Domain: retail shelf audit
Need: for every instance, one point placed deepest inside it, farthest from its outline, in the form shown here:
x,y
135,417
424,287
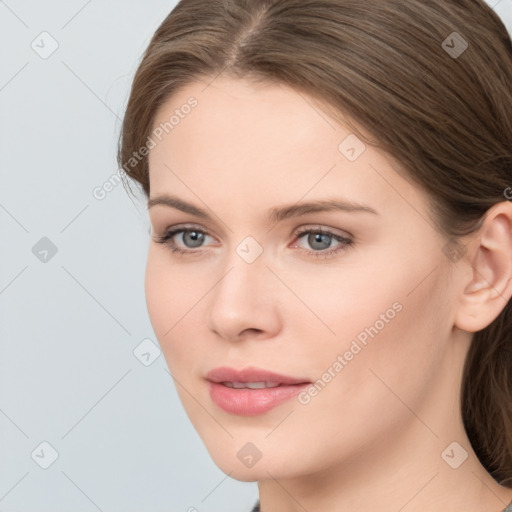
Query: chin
x,y
234,459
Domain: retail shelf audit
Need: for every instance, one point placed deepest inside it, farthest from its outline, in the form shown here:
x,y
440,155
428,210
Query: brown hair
x,y
441,110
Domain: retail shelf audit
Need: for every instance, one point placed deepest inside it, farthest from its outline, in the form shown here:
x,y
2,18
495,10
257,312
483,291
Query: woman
x,y
329,272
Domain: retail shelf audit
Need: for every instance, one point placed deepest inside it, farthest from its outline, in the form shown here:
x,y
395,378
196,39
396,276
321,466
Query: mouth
x,y
251,385
251,391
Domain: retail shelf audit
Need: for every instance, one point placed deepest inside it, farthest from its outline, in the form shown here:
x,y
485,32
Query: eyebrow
x,y
274,215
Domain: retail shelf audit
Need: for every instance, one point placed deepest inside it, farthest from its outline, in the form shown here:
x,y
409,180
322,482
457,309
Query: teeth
x,y
251,385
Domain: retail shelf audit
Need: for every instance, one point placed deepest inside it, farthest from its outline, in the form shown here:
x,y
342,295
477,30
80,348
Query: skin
x,y
372,439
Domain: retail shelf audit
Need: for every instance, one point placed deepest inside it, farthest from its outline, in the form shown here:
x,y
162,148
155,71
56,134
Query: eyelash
x,y
167,237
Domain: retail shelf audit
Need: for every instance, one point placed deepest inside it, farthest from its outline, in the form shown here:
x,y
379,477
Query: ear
x,y
488,288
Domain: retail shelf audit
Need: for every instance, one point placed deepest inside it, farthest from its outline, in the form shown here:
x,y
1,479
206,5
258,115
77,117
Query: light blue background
x,y
68,375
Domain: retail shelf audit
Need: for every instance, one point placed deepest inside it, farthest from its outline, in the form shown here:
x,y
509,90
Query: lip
x,y
250,374
251,402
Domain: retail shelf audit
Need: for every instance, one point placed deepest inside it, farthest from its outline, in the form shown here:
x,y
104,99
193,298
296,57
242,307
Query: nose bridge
x,y
245,269
239,296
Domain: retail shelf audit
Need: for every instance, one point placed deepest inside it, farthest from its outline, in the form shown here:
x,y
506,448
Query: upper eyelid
x,y
179,228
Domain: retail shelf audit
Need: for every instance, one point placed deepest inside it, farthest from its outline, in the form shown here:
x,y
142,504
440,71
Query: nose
x,y
244,301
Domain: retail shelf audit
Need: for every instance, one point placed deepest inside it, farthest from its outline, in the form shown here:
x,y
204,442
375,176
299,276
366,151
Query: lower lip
x,y
250,402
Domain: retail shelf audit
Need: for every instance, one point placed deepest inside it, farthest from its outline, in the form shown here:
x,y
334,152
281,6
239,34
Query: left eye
x,y
320,240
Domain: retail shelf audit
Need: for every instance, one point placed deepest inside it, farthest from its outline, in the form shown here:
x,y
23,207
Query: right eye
x,y
193,236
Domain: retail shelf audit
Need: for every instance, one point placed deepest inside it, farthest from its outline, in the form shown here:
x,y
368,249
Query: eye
x,y
190,237
320,240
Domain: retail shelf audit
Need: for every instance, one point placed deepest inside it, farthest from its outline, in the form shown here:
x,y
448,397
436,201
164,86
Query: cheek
x,y
334,306
173,302
399,358
169,291
392,317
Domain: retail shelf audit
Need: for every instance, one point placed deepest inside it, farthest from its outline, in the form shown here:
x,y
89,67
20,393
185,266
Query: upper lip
x,y
250,374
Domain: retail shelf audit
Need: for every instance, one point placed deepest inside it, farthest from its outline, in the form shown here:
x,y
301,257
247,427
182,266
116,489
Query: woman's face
x,y
366,319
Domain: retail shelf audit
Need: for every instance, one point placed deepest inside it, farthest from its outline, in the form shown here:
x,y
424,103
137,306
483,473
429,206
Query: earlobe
x,y
490,283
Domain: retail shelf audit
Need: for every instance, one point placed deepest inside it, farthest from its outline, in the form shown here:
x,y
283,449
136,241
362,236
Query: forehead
x,y
263,143
246,117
